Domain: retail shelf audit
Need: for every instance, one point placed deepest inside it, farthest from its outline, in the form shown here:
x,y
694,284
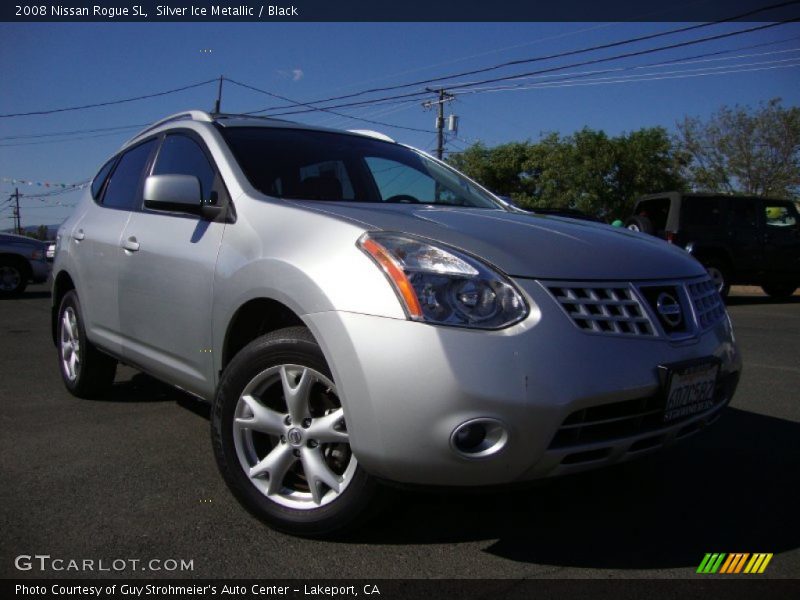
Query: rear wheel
x,y
86,372
13,276
779,290
639,223
280,437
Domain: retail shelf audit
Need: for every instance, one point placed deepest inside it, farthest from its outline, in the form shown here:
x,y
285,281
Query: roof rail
x,y
373,134
187,115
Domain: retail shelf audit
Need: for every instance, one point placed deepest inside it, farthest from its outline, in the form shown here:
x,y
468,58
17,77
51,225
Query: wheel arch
x,y
21,260
62,283
256,317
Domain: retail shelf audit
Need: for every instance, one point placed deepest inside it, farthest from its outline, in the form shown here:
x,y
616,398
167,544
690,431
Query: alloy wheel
x,y
70,344
291,439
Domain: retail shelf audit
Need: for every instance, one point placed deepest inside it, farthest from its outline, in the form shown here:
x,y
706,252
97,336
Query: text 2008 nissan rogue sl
x,y
359,312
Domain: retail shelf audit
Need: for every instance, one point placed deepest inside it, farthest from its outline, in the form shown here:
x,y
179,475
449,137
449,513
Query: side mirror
x,y
178,193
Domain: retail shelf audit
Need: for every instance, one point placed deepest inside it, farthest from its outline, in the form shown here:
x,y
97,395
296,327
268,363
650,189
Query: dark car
x,y
739,239
22,260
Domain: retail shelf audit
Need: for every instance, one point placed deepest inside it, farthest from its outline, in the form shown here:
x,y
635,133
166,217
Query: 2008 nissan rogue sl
x,y
357,312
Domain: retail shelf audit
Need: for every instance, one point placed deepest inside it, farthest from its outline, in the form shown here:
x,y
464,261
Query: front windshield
x,y
302,164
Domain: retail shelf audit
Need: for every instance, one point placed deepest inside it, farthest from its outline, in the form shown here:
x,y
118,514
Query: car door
x,y
781,240
166,277
744,232
95,243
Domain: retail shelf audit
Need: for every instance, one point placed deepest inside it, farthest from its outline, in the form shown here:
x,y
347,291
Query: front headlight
x,y
443,286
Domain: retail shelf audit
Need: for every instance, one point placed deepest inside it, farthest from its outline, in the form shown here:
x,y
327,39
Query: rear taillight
x,y
671,237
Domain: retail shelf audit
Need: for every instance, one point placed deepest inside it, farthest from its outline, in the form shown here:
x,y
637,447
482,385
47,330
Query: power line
x,y
73,132
313,108
395,106
70,139
683,61
110,102
560,68
591,76
689,73
545,57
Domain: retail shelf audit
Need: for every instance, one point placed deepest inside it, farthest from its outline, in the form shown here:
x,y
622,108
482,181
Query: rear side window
x,y
702,212
656,210
744,213
100,178
780,214
181,155
122,190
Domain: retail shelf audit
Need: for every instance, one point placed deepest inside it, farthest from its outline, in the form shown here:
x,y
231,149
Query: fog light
x,y
468,437
479,438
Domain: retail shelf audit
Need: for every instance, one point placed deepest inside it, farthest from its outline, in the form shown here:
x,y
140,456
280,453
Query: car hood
x,y
528,245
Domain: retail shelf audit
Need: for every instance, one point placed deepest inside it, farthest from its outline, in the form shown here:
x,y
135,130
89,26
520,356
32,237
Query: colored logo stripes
x,y
737,562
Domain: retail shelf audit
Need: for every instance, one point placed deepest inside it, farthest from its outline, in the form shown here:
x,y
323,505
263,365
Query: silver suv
x,y
359,312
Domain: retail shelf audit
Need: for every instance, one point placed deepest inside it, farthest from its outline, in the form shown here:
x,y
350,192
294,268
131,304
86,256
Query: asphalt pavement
x,y
132,476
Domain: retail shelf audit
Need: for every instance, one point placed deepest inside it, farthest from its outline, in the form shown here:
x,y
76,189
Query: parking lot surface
x,y
132,476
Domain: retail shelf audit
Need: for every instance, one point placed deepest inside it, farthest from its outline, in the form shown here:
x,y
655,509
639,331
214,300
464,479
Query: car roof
x,y
231,120
689,195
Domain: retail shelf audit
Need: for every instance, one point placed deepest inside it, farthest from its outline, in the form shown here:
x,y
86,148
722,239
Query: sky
x,y
52,66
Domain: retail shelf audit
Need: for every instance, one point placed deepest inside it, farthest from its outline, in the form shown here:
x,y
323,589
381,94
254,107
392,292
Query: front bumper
x,y
407,386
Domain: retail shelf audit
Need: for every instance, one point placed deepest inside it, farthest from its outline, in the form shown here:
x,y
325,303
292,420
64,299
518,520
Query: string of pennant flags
x,y
46,184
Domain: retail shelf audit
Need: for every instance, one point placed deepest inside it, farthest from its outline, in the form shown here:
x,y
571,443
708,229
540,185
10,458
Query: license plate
x,y
690,390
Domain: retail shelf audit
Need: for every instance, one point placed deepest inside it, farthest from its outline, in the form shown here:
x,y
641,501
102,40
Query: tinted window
x,y
320,165
780,214
181,155
122,190
744,213
656,210
702,212
101,177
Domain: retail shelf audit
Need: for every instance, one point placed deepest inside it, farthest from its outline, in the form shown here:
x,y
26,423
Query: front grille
x,y
708,304
608,422
664,297
607,309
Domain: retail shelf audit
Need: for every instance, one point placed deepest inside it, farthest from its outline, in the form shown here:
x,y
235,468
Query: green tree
x,y
744,150
501,169
588,170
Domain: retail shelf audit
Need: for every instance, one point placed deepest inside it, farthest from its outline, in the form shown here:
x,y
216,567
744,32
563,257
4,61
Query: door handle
x,y
78,235
131,244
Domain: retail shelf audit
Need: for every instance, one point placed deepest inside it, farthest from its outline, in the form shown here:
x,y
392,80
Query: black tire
x,y
14,275
94,373
719,271
640,223
293,346
779,290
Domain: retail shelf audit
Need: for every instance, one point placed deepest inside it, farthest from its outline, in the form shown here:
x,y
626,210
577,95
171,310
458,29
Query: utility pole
x,y
443,97
17,216
219,96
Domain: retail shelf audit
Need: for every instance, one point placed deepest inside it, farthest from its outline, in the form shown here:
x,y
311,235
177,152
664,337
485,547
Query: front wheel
x,y
280,437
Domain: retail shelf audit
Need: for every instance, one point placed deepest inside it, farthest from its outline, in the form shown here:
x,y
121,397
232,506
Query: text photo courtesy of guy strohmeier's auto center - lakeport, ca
x,y
353,304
